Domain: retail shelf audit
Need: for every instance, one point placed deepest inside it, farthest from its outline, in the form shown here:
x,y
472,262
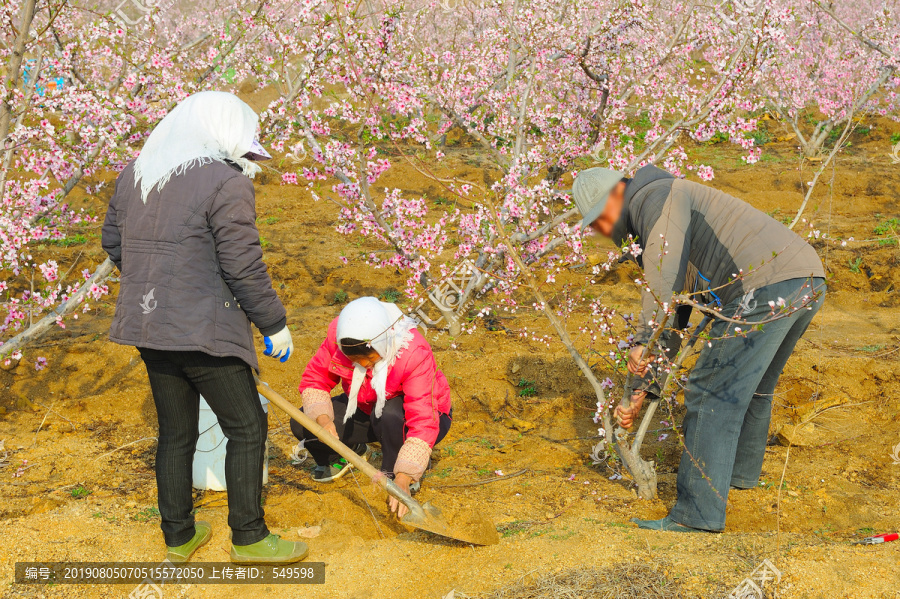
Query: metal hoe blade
x,y
466,526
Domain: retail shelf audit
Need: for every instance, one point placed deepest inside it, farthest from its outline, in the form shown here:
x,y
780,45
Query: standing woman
x,y
181,230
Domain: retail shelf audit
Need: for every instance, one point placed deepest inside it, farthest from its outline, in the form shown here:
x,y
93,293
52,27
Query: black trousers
x,y
177,379
388,430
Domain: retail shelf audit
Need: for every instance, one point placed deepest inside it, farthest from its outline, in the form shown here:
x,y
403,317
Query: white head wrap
x,y
204,127
387,330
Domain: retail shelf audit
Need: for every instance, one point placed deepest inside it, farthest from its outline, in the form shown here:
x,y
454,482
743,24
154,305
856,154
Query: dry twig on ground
x,y
621,581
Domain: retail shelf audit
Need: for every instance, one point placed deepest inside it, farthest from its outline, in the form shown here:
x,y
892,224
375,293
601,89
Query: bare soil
x,y
86,426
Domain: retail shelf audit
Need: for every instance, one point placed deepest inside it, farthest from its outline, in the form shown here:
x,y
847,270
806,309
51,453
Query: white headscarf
x,y
206,126
387,330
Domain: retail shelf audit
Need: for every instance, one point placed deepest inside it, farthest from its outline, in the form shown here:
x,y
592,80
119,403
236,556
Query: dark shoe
x,y
744,485
665,524
338,468
182,553
271,550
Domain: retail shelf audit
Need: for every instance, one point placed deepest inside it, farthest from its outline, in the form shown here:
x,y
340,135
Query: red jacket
x,y
426,394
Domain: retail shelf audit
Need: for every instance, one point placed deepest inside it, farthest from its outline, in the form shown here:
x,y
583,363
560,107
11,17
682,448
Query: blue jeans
x,y
729,401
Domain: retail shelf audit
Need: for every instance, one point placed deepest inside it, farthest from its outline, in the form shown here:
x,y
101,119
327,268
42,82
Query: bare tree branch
x,y
838,146
46,323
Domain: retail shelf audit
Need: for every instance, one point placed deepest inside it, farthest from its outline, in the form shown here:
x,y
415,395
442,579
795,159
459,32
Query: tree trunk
x,y
14,66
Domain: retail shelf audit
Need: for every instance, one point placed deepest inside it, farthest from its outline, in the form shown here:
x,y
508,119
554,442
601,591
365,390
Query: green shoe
x,y
271,550
182,553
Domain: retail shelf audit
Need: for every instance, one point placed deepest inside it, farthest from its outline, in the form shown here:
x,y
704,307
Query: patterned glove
x,y
413,458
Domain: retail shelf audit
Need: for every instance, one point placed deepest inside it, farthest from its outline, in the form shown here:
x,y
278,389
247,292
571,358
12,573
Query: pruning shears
x,y
874,540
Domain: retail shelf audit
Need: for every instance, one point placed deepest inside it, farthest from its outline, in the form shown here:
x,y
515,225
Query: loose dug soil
x,y
86,427
466,524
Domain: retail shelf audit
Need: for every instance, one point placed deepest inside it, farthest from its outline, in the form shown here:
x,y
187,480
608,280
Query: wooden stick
x,y
483,482
123,446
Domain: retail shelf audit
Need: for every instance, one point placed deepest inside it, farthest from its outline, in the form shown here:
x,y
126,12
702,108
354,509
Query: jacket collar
x,y
643,177
620,229
233,165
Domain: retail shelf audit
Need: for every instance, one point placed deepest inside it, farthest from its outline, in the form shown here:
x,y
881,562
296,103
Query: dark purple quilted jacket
x,y
192,273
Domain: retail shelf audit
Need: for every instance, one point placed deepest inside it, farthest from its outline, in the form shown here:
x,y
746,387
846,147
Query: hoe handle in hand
x,y
331,441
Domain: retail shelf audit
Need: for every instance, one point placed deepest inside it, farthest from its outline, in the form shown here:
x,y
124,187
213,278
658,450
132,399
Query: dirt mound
x,y
545,377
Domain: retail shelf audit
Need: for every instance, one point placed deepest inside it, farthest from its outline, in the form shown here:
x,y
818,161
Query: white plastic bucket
x,y
209,459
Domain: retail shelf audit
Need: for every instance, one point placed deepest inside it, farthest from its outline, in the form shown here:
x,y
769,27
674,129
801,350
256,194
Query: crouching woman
x,y
393,393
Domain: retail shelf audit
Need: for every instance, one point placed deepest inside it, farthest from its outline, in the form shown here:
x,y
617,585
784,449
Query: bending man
x,y
699,240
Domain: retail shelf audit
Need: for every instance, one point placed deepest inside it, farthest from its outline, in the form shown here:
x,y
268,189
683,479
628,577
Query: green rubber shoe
x,y
271,550
182,553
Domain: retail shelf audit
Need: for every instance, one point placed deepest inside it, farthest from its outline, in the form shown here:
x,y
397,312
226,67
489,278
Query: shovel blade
x,y
464,525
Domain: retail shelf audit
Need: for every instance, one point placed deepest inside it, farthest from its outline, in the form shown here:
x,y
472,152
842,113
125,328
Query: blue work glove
x,y
279,345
